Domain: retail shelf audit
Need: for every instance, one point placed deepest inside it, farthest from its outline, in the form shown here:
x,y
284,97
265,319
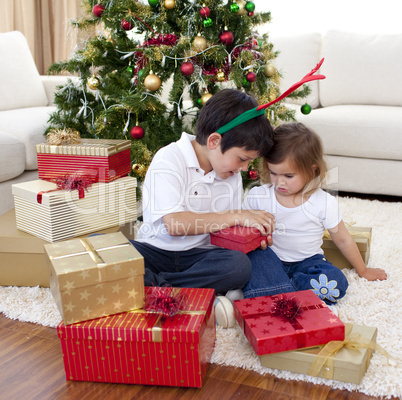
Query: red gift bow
x,y
69,182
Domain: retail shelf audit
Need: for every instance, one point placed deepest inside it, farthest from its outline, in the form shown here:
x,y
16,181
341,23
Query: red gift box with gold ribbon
x,y
269,331
141,347
104,160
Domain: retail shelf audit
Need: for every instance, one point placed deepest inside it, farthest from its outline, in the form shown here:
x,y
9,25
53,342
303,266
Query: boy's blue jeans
x,y
216,268
269,276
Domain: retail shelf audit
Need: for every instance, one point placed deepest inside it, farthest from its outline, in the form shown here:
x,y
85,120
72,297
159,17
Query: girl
x,y
295,169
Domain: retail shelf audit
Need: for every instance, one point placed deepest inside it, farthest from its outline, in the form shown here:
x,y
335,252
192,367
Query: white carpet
x,y
376,304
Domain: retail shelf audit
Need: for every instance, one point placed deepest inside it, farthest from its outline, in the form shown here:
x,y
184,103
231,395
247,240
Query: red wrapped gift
x,y
238,237
267,328
104,160
141,347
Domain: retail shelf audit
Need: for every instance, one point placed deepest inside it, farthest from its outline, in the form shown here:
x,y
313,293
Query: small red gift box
x,y
314,323
140,347
103,160
238,237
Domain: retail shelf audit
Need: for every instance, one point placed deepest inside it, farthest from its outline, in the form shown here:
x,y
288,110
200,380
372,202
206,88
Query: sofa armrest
x,y
51,82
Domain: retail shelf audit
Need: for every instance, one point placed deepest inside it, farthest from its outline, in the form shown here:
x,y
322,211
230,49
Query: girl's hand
x,y
265,244
373,274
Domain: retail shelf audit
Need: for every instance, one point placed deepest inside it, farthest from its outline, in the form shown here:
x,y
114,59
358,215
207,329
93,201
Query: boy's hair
x,y
224,106
301,146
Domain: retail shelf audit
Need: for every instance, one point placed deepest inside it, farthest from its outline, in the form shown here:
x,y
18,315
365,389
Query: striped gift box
x,y
104,160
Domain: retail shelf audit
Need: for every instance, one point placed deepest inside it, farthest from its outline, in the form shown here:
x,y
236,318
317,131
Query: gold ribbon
x,y
353,341
362,234
63,137
95,256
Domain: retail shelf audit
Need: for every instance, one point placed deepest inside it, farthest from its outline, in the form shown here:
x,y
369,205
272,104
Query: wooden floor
x,y
31,368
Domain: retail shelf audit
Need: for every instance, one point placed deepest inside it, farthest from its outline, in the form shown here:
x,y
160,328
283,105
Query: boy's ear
x,y
214,140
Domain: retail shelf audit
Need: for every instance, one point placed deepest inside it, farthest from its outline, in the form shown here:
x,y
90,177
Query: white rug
x,y
377,304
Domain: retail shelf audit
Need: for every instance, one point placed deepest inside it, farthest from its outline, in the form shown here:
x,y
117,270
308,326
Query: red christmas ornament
x,y
251,76
226,37
187,68
204,12
167,39
137,132
253,174
126,25
98,10
250,14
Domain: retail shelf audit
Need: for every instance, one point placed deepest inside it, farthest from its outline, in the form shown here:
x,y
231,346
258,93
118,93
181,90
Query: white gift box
x,y
51,214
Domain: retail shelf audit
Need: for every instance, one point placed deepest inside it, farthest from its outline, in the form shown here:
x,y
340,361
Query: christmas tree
x,y
134,50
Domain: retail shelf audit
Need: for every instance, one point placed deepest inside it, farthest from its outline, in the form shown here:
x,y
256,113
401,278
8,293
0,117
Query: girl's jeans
x,y
215,268
269,276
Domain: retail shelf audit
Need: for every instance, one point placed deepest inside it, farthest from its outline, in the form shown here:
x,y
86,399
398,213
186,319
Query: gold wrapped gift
x,y
345,361
95,276
362,237
22,256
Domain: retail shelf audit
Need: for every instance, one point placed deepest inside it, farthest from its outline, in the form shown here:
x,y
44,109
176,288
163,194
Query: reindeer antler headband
x,y
256,112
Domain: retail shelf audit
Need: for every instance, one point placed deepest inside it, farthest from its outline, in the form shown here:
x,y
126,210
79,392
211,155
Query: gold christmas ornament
x,y
169,4
93,82
152,82
64,136
199,43
220,76
205,97
139,170
242,7
269,70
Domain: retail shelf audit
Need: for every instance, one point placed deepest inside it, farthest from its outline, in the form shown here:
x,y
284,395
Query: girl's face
x,y
286,178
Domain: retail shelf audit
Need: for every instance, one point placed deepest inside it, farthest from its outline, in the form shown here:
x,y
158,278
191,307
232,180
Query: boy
x,y
193,187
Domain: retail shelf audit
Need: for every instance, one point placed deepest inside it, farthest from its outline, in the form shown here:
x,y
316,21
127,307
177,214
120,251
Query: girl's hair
x,y
302,147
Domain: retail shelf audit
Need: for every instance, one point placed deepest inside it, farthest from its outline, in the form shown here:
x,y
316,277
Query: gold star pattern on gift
x,y
70,307
117,305
116,288
84,274
86,312
101,300
85,295
132,293
116,268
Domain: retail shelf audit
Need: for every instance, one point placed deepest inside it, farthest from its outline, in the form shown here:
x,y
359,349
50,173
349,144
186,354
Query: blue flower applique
x,y
324,289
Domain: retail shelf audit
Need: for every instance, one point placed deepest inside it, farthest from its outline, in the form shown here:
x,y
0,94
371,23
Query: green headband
x,y
257,111
240,119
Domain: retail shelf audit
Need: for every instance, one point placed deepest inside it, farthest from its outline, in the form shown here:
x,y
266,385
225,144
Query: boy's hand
x,y
373,274
262,220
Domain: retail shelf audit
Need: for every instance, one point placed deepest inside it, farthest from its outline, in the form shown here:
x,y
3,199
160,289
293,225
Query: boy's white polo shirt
x,y
175,182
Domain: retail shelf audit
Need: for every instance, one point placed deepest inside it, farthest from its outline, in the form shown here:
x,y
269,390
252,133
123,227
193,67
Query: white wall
x,y
298,16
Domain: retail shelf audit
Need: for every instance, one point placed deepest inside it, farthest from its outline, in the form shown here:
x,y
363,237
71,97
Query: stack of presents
x,y
114,329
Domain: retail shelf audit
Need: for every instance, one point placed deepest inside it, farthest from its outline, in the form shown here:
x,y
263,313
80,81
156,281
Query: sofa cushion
x,y
297,56
28,125
358,131
361,69
20,83
12,157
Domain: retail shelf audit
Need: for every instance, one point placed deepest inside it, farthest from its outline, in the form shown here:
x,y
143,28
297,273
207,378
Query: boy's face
x,y
233,161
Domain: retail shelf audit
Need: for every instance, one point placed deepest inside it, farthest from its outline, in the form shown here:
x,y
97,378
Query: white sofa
x,y
357,109
26,100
